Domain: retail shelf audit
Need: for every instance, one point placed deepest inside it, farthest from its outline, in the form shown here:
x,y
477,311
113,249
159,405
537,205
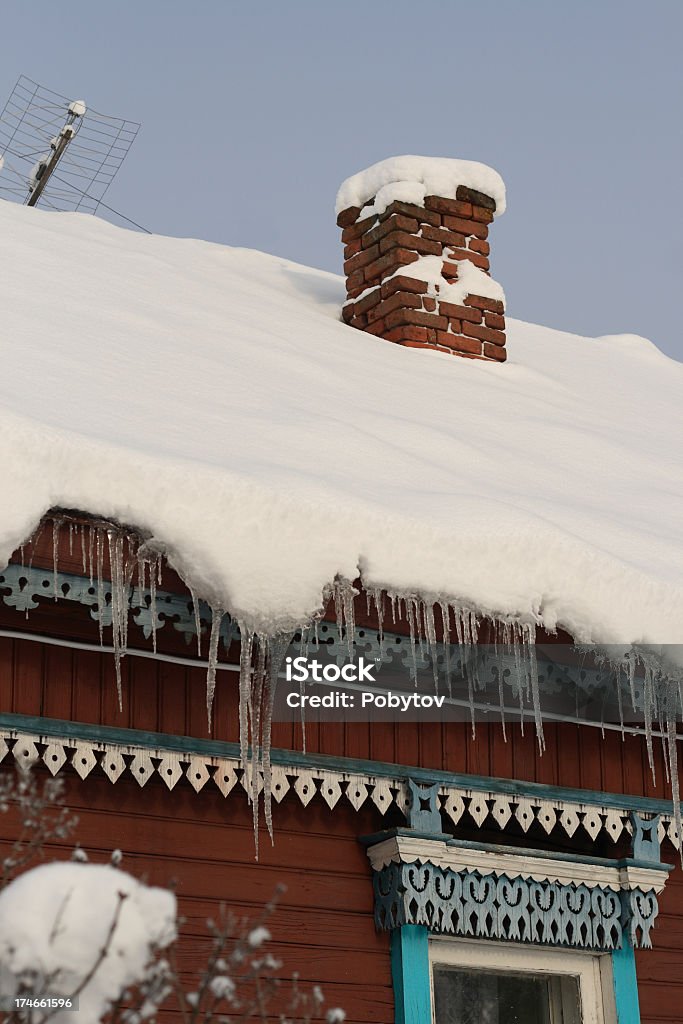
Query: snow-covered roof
x,y
212,396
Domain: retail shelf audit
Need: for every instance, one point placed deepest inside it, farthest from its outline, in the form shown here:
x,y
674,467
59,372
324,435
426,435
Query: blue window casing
x,y
410,971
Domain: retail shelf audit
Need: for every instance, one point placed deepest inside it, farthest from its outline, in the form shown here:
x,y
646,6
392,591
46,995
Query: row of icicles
x,y
136,563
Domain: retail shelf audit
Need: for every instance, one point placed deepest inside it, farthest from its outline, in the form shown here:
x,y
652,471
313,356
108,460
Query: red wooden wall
x,y
324,927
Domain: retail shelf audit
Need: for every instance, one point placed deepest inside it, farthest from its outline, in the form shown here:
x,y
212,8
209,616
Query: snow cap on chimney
x,y
416,254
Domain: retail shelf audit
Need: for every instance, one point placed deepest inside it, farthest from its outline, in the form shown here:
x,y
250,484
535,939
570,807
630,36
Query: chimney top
x,y
409,179
415,231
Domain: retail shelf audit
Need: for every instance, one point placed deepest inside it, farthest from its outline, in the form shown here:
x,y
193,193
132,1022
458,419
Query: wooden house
x,y
440,866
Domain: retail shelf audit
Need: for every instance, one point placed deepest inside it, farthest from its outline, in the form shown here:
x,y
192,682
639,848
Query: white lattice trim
x,y
493,809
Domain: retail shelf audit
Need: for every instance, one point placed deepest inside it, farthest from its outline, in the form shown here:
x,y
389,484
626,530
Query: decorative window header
x,y
516,895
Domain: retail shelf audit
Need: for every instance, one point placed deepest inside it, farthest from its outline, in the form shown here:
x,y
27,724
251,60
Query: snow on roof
x,y
410,178
212,396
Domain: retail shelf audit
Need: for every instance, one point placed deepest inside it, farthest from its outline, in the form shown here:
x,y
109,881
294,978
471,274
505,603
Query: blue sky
x,y
253,113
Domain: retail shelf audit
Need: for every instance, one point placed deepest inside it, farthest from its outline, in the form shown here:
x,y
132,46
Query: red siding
x,y
324,926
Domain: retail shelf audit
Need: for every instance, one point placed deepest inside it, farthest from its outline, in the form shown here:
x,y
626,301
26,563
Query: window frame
x,y
593,970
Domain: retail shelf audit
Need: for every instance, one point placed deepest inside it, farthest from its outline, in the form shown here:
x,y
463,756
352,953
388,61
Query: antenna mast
x,y
56,153
46,165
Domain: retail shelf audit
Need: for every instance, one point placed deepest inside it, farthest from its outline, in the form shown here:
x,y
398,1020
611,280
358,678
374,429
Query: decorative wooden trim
x,y
494,802
499,893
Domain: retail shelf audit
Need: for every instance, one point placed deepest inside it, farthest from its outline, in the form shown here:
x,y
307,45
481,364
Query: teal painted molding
x,y
410,974
381,769
625,984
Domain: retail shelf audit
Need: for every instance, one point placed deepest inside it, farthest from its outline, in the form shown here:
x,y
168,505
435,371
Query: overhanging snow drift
x,y
211,396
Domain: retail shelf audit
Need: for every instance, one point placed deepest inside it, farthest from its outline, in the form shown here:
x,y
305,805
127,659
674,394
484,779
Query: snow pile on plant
x,y
212,397
409,179
56,920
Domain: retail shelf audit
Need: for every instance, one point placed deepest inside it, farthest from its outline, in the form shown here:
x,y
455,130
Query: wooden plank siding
x,y
324,927
204,846
167,698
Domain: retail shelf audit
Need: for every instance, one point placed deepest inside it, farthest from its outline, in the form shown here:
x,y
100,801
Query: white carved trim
x,y
495,809
414,849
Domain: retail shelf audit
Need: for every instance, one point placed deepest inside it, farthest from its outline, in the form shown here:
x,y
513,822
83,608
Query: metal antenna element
x,y
44,167
58,152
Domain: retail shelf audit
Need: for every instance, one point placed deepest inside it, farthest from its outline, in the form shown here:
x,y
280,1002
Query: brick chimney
x,y
416,255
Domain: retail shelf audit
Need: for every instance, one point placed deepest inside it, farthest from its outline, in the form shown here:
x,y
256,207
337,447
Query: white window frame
x,y
593,971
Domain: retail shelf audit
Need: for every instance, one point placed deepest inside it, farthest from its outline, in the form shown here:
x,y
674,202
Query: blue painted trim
x,y
410,974
625,984
353,766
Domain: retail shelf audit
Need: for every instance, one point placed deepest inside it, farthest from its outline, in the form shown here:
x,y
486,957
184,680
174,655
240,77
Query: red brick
x,y
442,235
481,302
407,333
368,301
361,322
348,311
428,303
416,318
399,300
481,214
361,260
385,227
466,227
348,217
354,231
470,195
495,352
449,206
479,246
355,282
401,239
454,325
352,248
460,312
466,254
495,321
459,343
484,334
410,210
403,284
386,264
378,327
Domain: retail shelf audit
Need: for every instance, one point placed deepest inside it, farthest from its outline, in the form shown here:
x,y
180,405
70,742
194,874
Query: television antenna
x,y
59,152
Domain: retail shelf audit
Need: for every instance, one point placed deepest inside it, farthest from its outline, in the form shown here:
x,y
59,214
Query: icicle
x,y
216,620
446,630
91,553
672,743
35,538
197,620
377,597
410,604
247,639
56,527
153,570
100,581
256,707
119,604
430,630
529,635
277,650
647,708
85,565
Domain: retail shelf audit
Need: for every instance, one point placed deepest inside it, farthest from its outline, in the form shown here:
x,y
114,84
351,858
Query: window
x,y
495,983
